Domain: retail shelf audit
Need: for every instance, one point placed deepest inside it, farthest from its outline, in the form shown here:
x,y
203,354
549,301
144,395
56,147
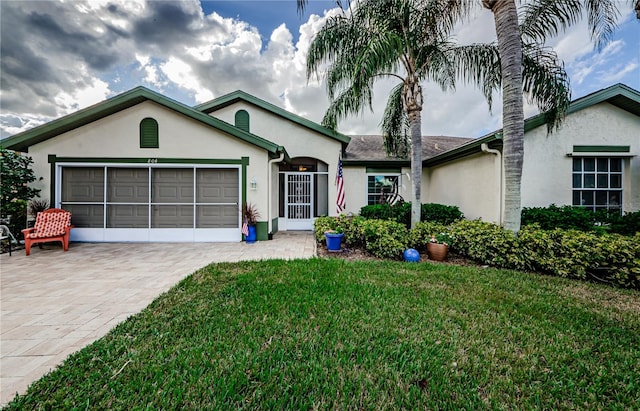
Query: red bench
x,y
53,224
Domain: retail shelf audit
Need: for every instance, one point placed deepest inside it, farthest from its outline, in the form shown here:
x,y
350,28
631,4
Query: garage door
x,y
152,203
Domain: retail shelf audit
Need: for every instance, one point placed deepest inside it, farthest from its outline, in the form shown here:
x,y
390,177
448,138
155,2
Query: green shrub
x,y
322,224
353,231
420,235
552,217
384,238
352,227
566,253
15,191
401,213
628,224
487,243
440,213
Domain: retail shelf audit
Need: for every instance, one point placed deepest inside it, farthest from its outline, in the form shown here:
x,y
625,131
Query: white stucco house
x,y
143,167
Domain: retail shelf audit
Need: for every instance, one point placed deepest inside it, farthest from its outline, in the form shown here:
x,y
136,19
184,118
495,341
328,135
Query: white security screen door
x,y
299,201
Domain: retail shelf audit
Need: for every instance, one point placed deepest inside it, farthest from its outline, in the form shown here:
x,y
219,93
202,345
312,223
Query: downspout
x,y
269,166
485,149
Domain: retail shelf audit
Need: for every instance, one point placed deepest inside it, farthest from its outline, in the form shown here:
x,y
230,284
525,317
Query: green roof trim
x,y
383,170
619,95
236,96
601,149
377,163
22,141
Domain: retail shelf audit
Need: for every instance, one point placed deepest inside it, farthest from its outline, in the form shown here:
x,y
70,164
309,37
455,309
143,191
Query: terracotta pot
x,y
437,252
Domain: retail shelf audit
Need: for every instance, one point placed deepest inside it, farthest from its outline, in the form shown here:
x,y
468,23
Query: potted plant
x,y
334,239
250,216
438,246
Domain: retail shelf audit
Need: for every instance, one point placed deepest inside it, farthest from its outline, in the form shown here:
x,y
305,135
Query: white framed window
x,y
383,188
597,183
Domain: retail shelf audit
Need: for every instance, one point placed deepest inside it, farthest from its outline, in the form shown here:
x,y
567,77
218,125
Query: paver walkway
x,y
53,303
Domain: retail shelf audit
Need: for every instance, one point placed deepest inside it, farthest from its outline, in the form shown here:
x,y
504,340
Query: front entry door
x,y
299,201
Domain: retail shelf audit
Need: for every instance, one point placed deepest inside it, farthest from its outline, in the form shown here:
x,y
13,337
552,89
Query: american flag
x,y
245,228
341,204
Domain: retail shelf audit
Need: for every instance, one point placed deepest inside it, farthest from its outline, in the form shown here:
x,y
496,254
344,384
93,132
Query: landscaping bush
x,y
440,213
322,224
566,253
628,224
352,227
401,213
15,192
420,235
552,217
609,257
487,243
385,238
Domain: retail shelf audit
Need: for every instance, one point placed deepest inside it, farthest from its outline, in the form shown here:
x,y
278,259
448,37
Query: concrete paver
x,y
53,303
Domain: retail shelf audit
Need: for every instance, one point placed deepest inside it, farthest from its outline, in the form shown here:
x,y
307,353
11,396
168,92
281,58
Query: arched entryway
x,y
303,192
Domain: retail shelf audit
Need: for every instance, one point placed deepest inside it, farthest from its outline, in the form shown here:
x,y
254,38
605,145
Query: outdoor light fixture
x,y
253,183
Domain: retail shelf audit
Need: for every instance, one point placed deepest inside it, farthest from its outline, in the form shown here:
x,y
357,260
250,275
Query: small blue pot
x,y
251,238
334,241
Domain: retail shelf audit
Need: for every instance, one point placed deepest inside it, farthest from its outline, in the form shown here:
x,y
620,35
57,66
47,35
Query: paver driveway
x,y
53,303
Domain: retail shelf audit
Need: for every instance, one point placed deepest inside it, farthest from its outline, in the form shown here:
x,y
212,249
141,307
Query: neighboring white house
x,y
143,167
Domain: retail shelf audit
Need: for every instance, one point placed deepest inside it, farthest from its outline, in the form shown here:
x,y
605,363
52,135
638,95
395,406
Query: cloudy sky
x,y
57,57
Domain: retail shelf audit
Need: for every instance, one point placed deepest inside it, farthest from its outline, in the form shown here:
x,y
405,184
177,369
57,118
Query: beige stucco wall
x,y
471,183
547,170
299,141
179,137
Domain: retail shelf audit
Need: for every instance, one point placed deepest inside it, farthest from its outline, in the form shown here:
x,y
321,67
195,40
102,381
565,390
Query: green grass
x,y
332,334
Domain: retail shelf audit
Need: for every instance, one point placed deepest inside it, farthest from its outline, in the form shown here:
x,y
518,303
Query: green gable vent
x,y
149,133
242,120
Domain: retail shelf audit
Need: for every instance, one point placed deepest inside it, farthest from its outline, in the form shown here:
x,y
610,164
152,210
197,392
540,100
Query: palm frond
x,y
542,19
395,125
546,83
479,64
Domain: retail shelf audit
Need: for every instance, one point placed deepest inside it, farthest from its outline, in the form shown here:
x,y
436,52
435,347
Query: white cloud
x,y
181,74
89,48
70,101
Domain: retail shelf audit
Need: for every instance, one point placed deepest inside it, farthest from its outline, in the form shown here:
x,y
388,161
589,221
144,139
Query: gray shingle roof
x,y
371,148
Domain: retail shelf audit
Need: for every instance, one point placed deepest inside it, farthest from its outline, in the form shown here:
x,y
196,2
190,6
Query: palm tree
x,y
541,19
407,40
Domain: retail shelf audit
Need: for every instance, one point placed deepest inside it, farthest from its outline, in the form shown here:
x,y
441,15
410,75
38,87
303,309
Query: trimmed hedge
x,y
609,257
401,213
578,218
628,224
565,217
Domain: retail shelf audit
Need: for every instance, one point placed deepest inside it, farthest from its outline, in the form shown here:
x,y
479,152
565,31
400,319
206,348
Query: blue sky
x,y
58,57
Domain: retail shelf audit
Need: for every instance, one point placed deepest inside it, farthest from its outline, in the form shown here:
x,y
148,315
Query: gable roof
x,y
22,141
237,96
619,95
369,150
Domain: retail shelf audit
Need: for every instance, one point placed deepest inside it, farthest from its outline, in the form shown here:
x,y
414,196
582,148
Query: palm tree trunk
x,y
413,105
506,21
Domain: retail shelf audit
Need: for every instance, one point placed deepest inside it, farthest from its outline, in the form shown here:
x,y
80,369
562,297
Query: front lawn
x,y
334,334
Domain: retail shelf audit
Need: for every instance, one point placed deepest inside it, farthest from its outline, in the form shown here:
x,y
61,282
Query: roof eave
x,y
22,141
236,96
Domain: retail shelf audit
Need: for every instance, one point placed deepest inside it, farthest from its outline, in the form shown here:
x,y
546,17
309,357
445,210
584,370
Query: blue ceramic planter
x,y
251,238
334,241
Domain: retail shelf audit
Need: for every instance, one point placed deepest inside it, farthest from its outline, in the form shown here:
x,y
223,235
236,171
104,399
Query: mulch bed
x,y
357,254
